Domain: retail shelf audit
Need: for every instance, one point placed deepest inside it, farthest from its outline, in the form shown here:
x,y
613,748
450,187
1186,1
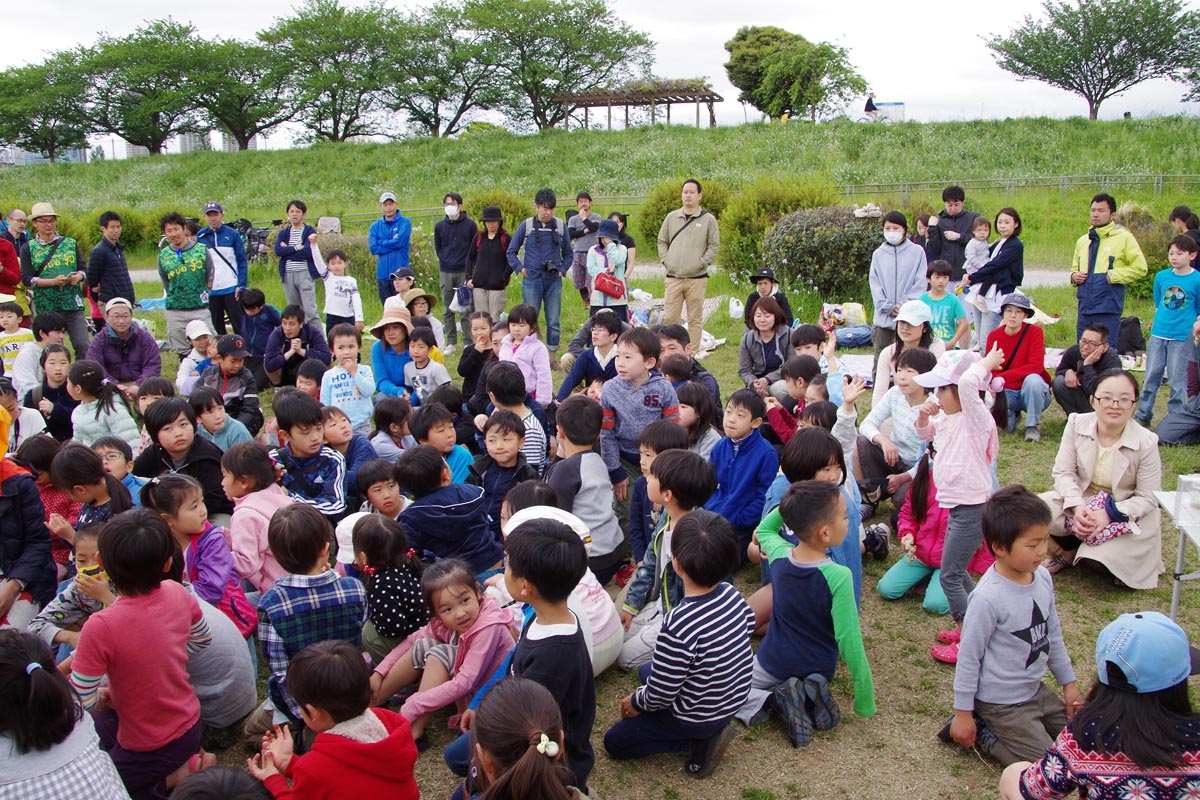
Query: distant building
x,y
15,156
230,145
136,151
189,142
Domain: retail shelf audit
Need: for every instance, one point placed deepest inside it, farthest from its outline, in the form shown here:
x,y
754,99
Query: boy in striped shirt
x,y
700,674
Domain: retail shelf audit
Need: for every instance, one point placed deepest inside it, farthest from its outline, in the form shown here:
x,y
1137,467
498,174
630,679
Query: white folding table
x,y
1187,520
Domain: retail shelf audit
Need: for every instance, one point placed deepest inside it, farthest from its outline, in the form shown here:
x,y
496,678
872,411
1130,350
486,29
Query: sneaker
x,y
951,636
820,703
625,574
876,541
451,347
789,702
944,733
1032,433
945,653
707,752
985,740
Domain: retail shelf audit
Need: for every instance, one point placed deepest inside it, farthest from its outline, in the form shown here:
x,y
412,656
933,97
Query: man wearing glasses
x,y
1080,364
127,352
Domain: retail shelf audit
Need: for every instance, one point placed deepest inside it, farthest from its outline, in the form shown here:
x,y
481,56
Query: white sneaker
x,y
450,349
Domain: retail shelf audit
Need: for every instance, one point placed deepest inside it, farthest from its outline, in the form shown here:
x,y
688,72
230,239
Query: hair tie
x,y
155,481
367,570
31,666
411,552
546,746
105,381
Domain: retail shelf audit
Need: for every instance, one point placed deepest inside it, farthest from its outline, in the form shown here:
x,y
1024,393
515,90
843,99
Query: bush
x,y
1154,236
755,210
514,208
823,250
664,198
362,263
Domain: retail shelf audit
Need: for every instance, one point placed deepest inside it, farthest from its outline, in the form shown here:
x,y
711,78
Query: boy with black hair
x,y
450,397
676,369
12,336
700,673
1010,635
348,384
506,389
655,438
314,473
49,327
745,465
309,377
598,361
581,482
423,374
213,423
259,321
503,465
675,340
813,616
291,343
445,520
797,372
117,457
680,481
361,750
812,340
376,481
948,319
354,448
236,385
433,425
545,561
175,448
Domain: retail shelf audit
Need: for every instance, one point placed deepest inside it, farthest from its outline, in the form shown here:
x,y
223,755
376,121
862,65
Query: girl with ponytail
x,y
102,410
78,472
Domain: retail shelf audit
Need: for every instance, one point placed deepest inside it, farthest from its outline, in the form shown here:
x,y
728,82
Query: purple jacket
x,y
132,359
311,338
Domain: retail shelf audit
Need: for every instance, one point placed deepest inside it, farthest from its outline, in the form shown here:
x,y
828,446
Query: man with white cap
x,y
126,351
389,240
51,266
229,268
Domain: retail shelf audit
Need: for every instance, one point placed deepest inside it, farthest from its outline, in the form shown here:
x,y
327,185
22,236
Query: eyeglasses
x,y
1089,343
1123,403
113,456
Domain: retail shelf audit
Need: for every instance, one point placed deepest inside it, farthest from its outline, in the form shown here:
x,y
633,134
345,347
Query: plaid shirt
x,y
90,774
300,610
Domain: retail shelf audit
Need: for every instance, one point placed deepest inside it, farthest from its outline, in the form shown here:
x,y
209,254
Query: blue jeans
x,y
1111,321
655,732
1033,398
545,288
1173,356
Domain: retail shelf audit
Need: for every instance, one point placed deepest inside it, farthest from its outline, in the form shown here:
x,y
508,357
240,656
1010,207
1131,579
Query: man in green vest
x,y
51,267
186,269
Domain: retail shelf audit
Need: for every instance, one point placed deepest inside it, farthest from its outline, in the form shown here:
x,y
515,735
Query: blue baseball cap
x,y
1150,650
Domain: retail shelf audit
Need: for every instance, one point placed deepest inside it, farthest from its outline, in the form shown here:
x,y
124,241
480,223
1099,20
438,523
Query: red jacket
x,y
337,768
783,422
929,535
1029,360
10,267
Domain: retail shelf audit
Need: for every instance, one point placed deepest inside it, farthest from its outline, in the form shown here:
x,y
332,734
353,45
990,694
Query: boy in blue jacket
x,y
258,321
745,464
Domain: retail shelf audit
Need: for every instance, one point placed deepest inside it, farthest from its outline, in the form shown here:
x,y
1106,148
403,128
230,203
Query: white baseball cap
x,y
195,329
383,198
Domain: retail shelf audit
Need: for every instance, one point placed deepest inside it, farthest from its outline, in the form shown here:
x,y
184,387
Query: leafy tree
x,y
749,50
1099,48
44,107
552,47
242,88
442,71
338,59
137,84
808,79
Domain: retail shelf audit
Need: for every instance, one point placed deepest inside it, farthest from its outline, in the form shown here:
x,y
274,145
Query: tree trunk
x,y
1093,110
243,140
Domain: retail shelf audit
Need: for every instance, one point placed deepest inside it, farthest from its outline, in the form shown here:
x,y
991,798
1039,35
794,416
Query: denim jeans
x,y
985,323
656,732
1033,398
545,288
1173,356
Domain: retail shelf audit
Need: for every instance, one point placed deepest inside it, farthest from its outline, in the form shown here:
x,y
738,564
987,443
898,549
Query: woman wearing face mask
x,y
897,275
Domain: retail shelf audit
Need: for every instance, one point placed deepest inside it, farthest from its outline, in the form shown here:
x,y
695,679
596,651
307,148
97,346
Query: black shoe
x,y
707,752
944,733
876,541
819,703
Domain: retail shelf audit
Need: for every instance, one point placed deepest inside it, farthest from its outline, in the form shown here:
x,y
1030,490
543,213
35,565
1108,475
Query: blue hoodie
x,y
390,241
451,522
743,478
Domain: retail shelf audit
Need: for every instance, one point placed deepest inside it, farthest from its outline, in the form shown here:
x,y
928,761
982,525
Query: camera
x,y
550,265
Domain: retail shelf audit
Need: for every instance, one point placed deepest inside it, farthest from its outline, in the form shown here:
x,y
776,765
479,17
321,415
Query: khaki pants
x,y
689,291
177,321
491,301
1024,730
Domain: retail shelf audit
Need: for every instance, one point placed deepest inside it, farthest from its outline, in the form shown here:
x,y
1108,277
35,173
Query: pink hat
x,y
949,369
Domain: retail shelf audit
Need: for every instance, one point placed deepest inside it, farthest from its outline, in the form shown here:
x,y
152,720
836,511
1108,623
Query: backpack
x,y
560,229
1130,340
503,240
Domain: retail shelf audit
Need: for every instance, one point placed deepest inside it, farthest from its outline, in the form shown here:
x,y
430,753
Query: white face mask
x,y
451,210
893,237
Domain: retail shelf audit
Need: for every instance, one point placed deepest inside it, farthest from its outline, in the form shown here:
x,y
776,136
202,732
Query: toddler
x,y
392,573
348,384
522,347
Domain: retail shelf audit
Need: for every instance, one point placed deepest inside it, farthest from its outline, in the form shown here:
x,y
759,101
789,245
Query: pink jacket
x,y
252,557
534,360
929,535
966,443
481,650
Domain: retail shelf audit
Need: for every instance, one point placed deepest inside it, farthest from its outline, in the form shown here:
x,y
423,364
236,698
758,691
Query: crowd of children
x,y
389,539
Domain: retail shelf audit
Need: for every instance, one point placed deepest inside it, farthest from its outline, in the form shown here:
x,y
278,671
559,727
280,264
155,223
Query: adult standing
x,y
1026,384
1079,367
14,233
452,240
488,272
582,228
107,269
128,353
51,265
389,240
947,234
229,269
297,269
688,242
1107,258
186,269
897,275
609,257
1000,276
543,263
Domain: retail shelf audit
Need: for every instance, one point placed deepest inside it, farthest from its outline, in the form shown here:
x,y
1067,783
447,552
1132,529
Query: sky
x,y
934,62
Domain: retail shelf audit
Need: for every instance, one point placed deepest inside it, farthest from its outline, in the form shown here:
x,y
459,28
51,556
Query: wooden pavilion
x,y
652,93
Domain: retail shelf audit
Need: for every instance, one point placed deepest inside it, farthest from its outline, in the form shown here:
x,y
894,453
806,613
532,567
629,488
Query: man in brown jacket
x,y
688,242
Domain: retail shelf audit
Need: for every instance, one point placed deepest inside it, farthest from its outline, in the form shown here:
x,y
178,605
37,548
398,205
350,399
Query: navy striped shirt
x,y
702,659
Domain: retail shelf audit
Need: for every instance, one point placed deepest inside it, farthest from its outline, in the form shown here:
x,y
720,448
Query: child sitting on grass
x,y
423,374
171,424
449,397
348,384
506,389
314,473
358,751
377,484
390,436
117,458
215,425
433,425
39,453
150,391
797,372
51,397
745,465
354,448
102,410
392,572
236,385
248,478
503,466
78,472
60,622
700,672
655,438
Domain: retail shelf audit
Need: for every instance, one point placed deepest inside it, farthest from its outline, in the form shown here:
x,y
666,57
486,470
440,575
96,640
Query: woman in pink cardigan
x,y
468,638
248,478
522,347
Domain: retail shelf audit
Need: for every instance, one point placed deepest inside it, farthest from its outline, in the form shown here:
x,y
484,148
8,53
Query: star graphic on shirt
x,y
1037,635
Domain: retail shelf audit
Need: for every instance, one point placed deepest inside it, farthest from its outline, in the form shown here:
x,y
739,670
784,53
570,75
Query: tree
x,y
137,84
442,71
748,51
242,88
1099,48
44,107
551,47
338,59
808,79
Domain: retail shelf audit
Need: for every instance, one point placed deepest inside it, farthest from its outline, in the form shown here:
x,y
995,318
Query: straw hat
x,y
416,294
42,210
393,312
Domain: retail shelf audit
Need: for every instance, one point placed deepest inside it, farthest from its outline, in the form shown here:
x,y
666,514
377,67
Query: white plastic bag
x,y
736,308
